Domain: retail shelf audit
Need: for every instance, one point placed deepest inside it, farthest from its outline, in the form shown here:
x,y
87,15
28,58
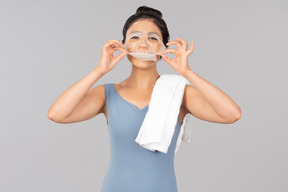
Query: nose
x,y
143,42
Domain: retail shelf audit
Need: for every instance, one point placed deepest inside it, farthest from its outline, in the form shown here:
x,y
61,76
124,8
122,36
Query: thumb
x,y
165,58
119,57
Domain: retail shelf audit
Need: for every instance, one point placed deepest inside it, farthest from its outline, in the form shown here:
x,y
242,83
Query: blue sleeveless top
x,y
133,168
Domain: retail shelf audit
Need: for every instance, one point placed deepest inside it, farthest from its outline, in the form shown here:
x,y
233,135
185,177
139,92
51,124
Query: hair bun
x,y
148,10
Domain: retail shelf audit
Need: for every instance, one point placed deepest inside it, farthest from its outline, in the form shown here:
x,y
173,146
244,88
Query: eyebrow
x,y
149,33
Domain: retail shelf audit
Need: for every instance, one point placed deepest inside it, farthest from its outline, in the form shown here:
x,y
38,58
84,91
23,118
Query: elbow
x,y
52,117
233,117
50,114
237,116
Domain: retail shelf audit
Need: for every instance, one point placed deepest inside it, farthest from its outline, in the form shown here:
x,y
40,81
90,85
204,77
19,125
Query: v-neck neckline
x,y
128,101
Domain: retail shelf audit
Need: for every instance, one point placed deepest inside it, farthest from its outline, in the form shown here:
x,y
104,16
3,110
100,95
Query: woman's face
x,y
143,36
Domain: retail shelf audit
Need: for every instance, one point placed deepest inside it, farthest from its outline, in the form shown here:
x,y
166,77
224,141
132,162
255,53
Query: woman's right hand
x,y
108,61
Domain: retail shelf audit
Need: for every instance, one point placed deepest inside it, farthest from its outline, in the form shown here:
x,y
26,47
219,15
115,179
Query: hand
x,y
108,61
180,62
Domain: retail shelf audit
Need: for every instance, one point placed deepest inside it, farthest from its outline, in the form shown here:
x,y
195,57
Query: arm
x,y
77,98
79,103
205,101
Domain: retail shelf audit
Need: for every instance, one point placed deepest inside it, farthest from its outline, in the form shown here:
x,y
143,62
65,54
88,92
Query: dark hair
x,y
149,13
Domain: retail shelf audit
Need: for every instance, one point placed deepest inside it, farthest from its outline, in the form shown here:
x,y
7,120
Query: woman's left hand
x,y
180,62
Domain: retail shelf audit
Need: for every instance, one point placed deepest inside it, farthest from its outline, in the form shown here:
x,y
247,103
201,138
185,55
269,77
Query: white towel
x,y
158,127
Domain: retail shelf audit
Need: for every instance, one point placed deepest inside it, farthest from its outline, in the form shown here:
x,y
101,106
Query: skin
x,y
138,87
201,99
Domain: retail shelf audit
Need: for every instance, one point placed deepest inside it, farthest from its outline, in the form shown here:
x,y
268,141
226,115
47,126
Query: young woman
x,y
132,167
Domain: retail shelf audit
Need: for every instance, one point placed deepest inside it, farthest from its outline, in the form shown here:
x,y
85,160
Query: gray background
x,y
47,46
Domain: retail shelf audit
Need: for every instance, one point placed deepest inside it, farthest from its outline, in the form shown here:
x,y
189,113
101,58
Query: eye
x,y
153,38
134,37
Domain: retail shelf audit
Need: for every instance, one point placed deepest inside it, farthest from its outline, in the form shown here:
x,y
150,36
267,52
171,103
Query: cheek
x,y
156,48
131,47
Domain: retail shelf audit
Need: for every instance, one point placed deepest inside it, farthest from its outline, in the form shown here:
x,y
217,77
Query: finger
x,y
174,42
183,43
115,40
108,44
166,59
121,49
119,57
173,51
190,50
112,44
115,45
114,49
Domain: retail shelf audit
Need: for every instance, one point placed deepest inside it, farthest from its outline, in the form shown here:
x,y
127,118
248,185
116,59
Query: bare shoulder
x,y
191,98
189,89
98,90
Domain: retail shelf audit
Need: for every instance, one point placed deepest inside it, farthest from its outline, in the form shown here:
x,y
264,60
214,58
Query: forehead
x,y
144,26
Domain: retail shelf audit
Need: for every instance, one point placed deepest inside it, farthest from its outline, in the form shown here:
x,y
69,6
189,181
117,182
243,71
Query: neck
x,y
143,78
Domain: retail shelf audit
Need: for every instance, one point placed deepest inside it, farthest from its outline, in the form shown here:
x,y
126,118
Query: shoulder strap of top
x,y
108,91
107,98
110,98
107,87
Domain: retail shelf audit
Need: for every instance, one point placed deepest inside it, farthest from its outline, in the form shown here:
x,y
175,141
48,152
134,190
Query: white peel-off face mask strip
x,y
145,51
